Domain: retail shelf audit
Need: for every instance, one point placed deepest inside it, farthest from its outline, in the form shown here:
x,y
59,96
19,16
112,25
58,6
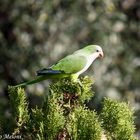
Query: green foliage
x,y
118,120
84,125
71,90
63,115
53,118
64,96
36,124
19,107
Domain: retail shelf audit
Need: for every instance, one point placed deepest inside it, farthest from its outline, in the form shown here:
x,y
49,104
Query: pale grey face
x,y
99,51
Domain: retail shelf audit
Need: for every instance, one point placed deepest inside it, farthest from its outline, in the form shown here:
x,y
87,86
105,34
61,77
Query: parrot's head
x,y
93,49
99,51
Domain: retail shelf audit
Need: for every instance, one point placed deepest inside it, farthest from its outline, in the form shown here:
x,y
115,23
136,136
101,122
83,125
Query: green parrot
x,y
70,66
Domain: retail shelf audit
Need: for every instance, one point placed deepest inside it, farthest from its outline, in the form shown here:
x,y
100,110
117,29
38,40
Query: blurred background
x,y
37,33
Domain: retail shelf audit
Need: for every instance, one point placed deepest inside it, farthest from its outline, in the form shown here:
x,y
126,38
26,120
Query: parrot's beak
x,y
101,54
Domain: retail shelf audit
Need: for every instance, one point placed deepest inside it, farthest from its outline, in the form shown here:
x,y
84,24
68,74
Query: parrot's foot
x,y
80,83
75,79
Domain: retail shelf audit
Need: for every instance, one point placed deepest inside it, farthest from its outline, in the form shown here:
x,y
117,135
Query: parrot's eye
x,y
97,50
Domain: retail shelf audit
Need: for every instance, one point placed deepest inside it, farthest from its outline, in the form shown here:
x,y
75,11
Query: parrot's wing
x,y
68,65
71,64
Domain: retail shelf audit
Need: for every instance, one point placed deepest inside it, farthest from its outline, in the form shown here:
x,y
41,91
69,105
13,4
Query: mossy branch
x,y
118,121
19,108
83,124
64,115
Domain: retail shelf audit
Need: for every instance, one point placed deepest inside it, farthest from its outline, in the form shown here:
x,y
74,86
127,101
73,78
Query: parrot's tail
x,y
38,79
43,75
